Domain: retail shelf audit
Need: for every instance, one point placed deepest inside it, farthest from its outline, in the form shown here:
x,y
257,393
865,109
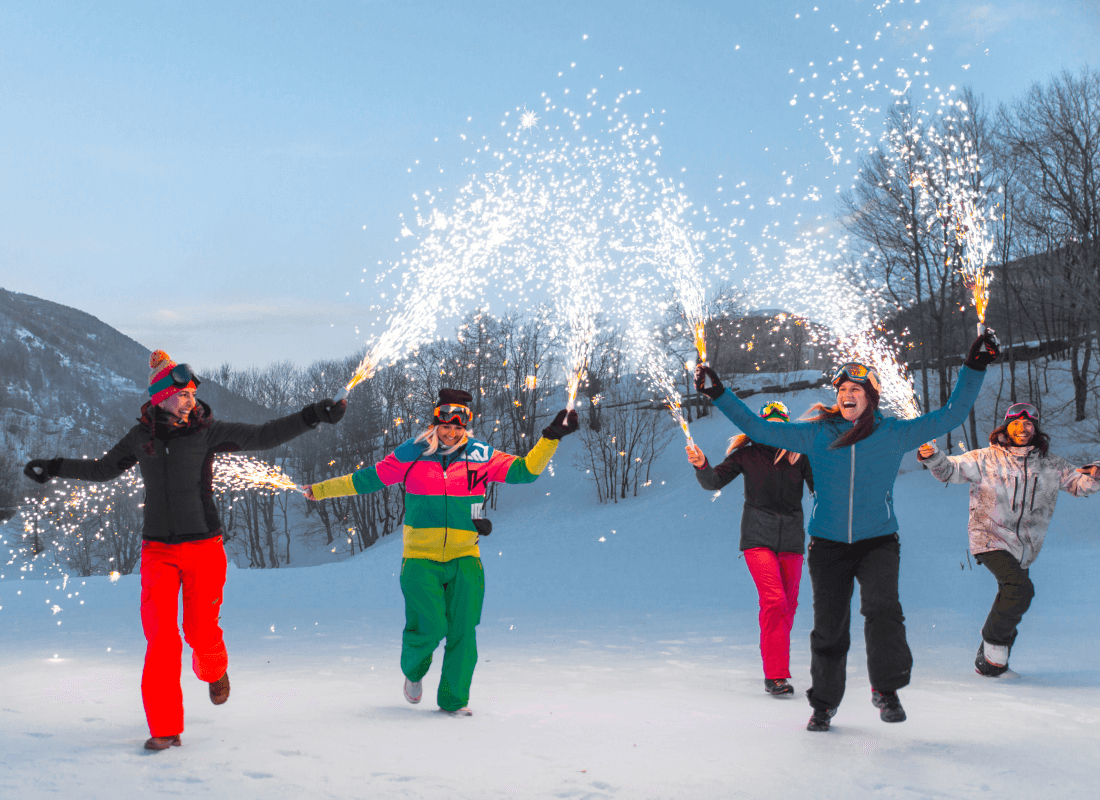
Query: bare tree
x,y
1053,136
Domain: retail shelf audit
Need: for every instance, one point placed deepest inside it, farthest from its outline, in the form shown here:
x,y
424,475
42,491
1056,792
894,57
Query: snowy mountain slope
x,y
71,384
626,667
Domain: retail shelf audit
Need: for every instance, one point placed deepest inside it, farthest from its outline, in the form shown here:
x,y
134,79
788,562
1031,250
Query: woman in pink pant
x,y
772,535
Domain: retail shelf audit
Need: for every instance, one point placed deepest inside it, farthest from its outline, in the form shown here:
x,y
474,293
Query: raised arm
x,y
233,436
504,468
797,437
983,352
915,432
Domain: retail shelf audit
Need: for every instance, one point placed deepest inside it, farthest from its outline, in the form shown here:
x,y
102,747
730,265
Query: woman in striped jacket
x,y
445,473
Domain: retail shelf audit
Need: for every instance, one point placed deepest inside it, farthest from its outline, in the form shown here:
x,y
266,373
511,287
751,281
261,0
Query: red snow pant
x,y
777,576
199,567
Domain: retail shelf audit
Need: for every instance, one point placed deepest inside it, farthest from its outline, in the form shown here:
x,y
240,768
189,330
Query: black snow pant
x,y
834,568
1014,593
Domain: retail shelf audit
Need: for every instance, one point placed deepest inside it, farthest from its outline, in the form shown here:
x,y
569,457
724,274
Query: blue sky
x,y
212,178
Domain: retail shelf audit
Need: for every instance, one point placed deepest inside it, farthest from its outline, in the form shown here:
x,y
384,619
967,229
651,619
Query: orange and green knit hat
x,y
162,384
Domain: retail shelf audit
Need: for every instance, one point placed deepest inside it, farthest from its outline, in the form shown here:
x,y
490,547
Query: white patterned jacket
x,y
1013,491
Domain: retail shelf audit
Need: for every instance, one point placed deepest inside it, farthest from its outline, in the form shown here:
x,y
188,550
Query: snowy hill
x,y
71,383
618,658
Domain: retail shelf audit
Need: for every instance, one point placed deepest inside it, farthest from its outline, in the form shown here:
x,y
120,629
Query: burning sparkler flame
x,y
701,340
970,233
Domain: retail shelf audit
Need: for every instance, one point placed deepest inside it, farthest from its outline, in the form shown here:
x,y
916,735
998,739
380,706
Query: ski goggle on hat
x,y
179,377
1026,410
452,414
775,410
856,373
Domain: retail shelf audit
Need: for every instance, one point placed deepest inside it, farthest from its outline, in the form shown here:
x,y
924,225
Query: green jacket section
x,y
441,490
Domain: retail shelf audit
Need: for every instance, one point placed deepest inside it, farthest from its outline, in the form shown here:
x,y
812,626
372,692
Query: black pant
x,y
834,566
1014,593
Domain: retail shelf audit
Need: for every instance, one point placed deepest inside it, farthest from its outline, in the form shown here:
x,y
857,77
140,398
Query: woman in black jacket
x,y
173,445
772,535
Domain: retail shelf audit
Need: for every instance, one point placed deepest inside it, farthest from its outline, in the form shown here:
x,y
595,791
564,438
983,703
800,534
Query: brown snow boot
x,y
219,690
162,742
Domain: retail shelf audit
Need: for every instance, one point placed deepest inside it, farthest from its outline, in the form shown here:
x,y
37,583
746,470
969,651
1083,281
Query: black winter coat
x,y
177,466
772,516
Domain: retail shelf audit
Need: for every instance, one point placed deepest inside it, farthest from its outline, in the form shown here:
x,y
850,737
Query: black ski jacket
x,y
772,516
177,466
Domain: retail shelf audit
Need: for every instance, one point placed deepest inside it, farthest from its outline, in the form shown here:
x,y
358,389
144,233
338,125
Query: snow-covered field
x,y
618,658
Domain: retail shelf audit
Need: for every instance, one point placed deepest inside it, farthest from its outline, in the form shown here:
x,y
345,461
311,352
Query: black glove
x,y
983,351
484,526
563,425
42,470
324,411
715,390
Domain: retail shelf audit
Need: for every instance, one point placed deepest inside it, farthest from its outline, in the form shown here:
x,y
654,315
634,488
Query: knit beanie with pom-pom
x,y
161,386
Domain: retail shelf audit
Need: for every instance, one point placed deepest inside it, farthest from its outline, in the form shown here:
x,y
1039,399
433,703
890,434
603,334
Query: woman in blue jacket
x,y
856,452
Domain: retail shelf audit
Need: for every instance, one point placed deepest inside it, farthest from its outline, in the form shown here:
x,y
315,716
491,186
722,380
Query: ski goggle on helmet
x,y
1025,410
452,414
856,373
775,410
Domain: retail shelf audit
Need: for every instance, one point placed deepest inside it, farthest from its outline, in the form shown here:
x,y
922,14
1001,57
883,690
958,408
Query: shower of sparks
x,y
235,473
654,369
676,255
583,215
64,522
896,384
970,230
852,311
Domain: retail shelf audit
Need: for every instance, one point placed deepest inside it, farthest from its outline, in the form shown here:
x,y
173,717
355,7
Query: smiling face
x,y
1020,431
450,435
180,405
852,400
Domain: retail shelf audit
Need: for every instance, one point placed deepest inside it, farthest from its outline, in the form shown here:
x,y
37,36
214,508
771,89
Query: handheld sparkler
x,y
574,384
699,327
970,234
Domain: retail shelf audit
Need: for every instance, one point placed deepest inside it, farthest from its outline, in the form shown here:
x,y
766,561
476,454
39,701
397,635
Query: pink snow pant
x,y
777,576
199,567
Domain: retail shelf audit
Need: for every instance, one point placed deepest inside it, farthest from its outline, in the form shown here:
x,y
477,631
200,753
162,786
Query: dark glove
x,y
563,425
715,390
42,470
983,351
324,411
484,526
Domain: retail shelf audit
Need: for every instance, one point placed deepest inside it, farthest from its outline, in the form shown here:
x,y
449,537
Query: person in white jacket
x,y
1014,485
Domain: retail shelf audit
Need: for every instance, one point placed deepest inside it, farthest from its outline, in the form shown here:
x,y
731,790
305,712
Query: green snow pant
x,y
442,600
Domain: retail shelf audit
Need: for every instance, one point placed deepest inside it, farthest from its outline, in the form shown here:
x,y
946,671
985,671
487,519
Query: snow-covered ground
x,y
618,658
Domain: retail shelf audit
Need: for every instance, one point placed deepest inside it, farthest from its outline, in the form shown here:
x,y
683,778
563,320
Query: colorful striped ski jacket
x,y
441,489
854,486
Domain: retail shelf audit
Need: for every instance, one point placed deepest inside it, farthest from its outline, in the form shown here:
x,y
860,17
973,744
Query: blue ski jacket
x,y
854,486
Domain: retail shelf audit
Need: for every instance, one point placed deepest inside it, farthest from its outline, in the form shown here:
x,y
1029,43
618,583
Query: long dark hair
x,y
741,440
1040,441
863,427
